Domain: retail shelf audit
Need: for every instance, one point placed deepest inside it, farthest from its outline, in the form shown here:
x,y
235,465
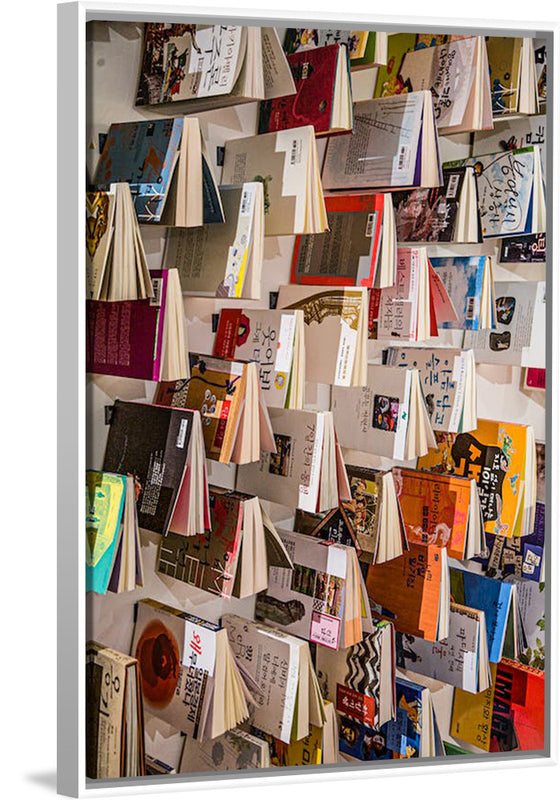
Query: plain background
x,y
28,454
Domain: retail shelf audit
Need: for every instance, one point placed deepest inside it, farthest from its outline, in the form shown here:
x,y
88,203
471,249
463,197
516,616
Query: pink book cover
x,y
125,338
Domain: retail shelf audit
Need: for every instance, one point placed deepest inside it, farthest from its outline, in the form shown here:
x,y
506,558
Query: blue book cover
x,y
142,154
488,595
522,556
105,498
463,278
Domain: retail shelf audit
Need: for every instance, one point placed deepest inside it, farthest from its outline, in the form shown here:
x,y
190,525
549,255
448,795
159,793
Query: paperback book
x,y
469,282
365,48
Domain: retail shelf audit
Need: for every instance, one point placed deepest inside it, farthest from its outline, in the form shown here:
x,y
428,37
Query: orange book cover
x,y
407,590
434,508
495,456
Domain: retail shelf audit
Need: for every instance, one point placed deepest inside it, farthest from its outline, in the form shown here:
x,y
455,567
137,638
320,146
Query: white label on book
x,y
199,650
336,562
401,162
470,671
347,345
183,428
285,345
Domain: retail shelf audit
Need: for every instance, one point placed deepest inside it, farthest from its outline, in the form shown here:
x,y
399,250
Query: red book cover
x,y
314,73
227,334
347,254
518,708
535,378
125,338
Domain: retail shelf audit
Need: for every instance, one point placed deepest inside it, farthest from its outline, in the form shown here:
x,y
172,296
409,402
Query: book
x,y
166,166
440,509
222,260
235,749
540,69
329,526
510,186
288,700
320,597
189,677
394,145
522,556
534,379
142,339
365,48
413,591
471,715
116,267
513,78
211,66
235,420
164,747
500,456
114,714
417,302
525,249
448,379
335,331
359,249
514,133
447,213
460,660
388,81
306,471
275,340
287,165
167,462
232,559
323,95
498,600
519,332
413,733
113,550
469,282
457,75
386,417
360,680
531,610
319,747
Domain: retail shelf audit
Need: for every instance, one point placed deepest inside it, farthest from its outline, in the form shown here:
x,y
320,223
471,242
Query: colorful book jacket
x,y
389,81
525,249
158,458
463,278
126,338
300,752
105,499
348,253
495,456
361,44
504,61
522,556
330,526
406,590
314,72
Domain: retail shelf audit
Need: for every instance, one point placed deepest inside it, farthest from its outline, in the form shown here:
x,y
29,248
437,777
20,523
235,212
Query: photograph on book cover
x,y
318,458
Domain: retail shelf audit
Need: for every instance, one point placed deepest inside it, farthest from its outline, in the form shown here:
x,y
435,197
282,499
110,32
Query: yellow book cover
x,y
471,718
388,81
504,60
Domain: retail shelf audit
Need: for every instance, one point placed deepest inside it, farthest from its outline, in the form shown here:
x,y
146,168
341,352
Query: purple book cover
x,y
125,338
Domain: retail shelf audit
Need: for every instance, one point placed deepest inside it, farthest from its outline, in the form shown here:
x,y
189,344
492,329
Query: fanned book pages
x,y
166,166
211,66
189,677
335,331
114,714
235,749
448,380
394,145
113,550
116,267
460,660
456,73
365,48
447,213
414,307
288,700
287,165
386,417
519,336
359,680
513,77
222,260
511,198
275,340
469,282
514,705
144,339
359,249
440,509
167,462
235,420
501,457
306,471
413,591
321,598
232,559
323,95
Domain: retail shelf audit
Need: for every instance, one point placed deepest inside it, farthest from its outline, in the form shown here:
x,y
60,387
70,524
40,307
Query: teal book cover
x,y
105,497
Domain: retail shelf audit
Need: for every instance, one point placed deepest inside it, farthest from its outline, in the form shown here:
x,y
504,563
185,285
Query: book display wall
x,y
316,457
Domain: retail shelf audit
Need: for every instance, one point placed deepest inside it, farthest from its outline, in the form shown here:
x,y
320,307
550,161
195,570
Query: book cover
x,y
330,526
361,44
157,459
389,81
235,749
100,207
518,711
105,498
504,61
495,456
526,249
463,278
522,556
